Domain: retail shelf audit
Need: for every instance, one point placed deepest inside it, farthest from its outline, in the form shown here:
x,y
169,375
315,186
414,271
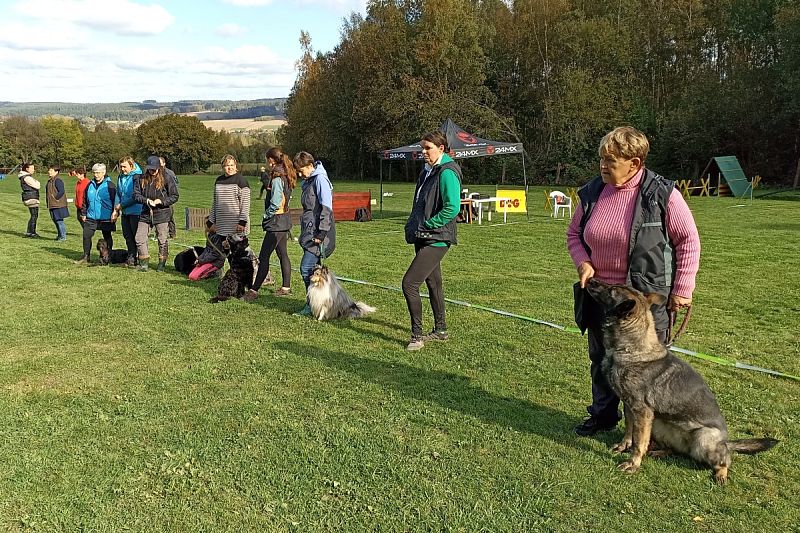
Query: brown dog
x,y
664,398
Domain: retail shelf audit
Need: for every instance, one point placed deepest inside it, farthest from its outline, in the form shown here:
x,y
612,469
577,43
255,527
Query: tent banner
x,y
515,202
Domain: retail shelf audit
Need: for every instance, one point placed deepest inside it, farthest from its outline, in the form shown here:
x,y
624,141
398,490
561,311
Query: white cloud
x,y
117,16
248,3
48,35
230,29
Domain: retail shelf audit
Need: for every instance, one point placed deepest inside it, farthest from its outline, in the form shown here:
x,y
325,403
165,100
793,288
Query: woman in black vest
x,y
30,196
431,228
276,223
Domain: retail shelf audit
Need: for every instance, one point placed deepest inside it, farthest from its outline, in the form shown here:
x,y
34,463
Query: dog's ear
x,y
624,309
655,299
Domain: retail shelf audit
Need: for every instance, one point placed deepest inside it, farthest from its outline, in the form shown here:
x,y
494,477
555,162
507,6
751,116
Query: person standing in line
x,y
276,223
156,192
99,211
80,190
57,201
130,208
317,225
632,227
173,230
431,228
30,197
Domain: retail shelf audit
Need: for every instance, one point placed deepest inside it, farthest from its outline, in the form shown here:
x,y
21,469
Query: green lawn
x,y
130,403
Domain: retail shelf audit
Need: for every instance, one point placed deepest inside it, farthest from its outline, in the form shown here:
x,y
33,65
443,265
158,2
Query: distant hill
x,y
137,112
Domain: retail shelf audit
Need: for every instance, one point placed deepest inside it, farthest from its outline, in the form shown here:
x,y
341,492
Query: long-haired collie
x,y
328,300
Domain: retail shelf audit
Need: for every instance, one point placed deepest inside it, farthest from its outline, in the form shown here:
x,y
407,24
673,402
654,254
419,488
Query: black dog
x,y
187,259
114,257
239,277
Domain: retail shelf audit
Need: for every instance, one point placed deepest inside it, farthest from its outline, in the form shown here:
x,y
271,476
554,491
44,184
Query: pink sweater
x,y
608,234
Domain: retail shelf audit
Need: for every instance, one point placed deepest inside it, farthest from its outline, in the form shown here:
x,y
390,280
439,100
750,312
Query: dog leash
x,y
673,315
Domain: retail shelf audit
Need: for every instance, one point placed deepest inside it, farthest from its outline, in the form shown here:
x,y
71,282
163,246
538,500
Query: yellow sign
x,y
516,204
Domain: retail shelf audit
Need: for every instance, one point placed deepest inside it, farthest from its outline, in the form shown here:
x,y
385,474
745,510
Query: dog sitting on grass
x,y
664,398
114,257
239,277
328,300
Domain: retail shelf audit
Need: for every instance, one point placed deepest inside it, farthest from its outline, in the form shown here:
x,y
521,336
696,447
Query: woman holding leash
x,y
276,223
156,192
632,227
99,211
317,226
431,228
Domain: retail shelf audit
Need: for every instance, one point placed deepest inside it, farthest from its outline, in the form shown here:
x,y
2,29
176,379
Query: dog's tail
x,y
359,309
218,298
751,446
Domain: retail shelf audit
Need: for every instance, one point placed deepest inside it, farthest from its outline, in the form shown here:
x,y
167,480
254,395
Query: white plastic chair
x,y
561,201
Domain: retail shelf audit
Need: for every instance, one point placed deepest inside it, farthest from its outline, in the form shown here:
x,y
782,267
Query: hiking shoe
x,y
305,311
282,291
130,262
61,239
82,260
416,343
161,266
440,335
250,296
34,236
594,424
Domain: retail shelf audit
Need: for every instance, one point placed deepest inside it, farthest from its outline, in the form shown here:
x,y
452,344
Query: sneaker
x,y
436,335
593,425
130,262
415,344
305,311
35,236
61,239
282,291
250,296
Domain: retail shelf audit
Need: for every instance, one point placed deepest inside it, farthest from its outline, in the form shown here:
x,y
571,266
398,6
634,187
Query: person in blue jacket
x,y
431,228
99,211
130,208
317,226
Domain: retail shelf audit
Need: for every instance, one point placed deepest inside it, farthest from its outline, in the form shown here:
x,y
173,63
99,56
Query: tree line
x,y
701,78
186,144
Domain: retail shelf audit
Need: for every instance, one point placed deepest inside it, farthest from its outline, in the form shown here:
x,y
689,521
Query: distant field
x,y
244,124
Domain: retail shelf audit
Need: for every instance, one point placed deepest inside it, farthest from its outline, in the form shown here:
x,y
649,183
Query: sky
x,y
130,50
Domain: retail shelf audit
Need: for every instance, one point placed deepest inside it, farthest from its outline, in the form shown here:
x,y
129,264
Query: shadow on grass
x,y
451,391
72,255
12,233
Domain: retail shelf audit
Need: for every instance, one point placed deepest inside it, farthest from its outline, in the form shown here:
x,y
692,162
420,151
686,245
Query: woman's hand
x,y
585,271
678,302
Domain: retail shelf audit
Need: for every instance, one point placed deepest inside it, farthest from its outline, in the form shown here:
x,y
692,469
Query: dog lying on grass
x,y
114,257
328,300
664,398
239,277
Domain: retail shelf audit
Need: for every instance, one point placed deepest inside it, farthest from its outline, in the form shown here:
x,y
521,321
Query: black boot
x,y
161,264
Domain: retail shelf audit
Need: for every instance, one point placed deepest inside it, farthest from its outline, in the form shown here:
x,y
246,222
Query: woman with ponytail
x,y
276,223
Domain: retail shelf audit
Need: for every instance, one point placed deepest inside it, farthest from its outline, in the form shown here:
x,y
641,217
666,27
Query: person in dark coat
x,y
156,191
30,196
57,201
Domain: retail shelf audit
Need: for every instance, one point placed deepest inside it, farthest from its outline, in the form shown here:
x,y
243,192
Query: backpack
x,y
363,215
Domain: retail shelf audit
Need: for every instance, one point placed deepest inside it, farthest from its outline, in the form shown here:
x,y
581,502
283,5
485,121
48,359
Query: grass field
x,y
130,403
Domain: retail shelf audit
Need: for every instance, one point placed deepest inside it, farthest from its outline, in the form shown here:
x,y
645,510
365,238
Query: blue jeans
x,y
307,264
61,229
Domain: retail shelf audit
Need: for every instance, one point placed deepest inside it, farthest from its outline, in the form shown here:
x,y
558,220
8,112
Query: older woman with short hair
x,y
632,227
99,210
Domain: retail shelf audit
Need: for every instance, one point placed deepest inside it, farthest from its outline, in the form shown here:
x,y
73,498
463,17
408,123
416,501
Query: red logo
x,y
466,137
489,150
511,203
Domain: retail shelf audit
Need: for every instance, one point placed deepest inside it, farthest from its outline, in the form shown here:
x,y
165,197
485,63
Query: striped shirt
x,y
231,204
608,233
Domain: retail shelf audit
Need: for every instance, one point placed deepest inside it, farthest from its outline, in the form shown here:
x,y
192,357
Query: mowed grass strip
x,y
129,402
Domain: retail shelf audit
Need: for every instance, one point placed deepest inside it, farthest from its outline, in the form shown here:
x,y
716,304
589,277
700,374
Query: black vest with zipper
x,y
427,202
651,257
28,192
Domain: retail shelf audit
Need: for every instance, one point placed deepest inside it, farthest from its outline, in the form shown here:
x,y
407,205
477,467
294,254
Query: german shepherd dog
x,y
114,257
239,277
328,300
664,398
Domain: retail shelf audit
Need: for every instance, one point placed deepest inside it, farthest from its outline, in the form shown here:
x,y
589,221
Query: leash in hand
x,y
673,315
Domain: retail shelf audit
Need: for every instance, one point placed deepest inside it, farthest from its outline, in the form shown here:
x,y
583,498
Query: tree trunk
x,y
797,175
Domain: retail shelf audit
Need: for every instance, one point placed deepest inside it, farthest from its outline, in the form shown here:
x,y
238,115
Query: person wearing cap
x,y
173,230
156,191
265,182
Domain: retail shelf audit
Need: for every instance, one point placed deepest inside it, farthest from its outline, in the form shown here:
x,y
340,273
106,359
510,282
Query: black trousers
x,y
34,211
274,241
605,404
89,227
129,225
425,267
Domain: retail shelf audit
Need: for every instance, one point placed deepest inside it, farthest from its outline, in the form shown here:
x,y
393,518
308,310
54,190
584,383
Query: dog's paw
x,y
721,475
623,446
628,466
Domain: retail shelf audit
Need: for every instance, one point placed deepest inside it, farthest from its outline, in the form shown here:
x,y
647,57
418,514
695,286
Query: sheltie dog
x,y
328,300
